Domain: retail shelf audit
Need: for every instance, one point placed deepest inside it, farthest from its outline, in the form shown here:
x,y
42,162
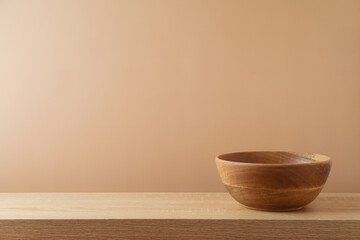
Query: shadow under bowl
x,y
273,181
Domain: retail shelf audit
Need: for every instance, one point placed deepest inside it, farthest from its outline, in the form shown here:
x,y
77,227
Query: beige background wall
x,y
142,95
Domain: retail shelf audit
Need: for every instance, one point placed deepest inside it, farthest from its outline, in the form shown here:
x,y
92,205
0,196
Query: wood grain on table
x,y
171,216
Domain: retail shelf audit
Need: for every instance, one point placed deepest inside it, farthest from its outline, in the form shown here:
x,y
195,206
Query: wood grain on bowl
x,y
273,181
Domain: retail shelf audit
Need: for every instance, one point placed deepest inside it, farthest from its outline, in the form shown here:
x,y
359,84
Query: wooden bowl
x,y
273,181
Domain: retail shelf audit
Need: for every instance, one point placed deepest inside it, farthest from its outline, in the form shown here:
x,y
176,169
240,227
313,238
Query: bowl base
x,y
275,209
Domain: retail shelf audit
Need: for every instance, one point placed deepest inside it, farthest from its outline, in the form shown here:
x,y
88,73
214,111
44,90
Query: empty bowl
x,y
273,181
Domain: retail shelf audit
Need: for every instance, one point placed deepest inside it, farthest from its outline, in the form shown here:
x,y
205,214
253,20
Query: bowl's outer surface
x,y
274,187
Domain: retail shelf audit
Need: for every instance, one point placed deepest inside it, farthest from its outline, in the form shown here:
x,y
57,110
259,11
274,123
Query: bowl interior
x,y
273,157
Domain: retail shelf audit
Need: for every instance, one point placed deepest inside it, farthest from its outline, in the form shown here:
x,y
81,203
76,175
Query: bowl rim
x,y
321,158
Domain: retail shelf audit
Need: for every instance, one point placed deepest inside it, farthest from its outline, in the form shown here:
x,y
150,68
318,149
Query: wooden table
x,y
170,216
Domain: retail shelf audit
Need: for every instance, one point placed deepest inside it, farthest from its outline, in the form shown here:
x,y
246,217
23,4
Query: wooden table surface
x,y
171,216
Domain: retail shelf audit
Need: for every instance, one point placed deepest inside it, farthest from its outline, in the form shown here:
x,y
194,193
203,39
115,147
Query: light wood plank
x,y
170,216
